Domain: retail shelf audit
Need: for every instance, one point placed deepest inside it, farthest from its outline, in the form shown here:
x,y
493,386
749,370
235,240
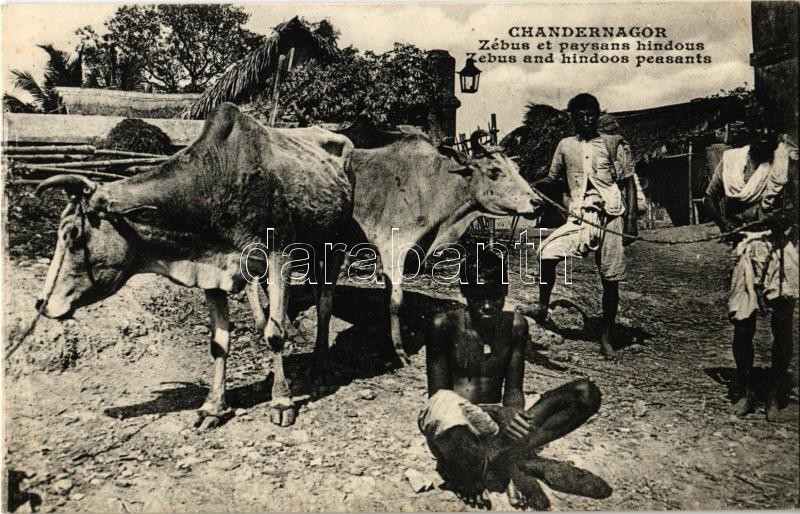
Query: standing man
x,y
754,184
597,170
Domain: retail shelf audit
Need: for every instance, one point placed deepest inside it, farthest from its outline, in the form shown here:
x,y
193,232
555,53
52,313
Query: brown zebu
x,y
430,195
190,218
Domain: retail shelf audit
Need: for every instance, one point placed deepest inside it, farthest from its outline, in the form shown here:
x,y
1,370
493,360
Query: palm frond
x,y
25,81
75,70
253,73
13,104
55,71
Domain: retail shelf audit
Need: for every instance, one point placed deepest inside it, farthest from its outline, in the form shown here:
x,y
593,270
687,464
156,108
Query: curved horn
x,y
475,143
74,185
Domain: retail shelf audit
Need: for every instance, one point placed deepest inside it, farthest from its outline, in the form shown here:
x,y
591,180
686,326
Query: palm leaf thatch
x,y
250,76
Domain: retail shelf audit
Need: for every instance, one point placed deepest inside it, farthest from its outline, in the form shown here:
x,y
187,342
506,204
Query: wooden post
x,y
493,129
277,84
691,202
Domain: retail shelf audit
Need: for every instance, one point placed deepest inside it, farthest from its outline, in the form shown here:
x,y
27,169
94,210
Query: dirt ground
x,y
99,409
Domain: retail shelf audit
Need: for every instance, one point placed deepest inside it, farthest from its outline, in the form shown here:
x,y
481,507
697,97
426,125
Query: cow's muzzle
x,y
41,307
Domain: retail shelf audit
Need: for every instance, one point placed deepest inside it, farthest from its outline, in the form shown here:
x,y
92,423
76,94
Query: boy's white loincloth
x,y
447,409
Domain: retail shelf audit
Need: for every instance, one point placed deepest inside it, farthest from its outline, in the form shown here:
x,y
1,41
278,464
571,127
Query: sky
x,y
505,89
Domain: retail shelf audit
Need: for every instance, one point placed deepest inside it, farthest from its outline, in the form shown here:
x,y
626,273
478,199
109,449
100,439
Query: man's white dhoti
x,y
758,276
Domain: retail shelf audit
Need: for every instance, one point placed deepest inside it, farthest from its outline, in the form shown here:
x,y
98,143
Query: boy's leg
x,y
460,457
782,313
561,411
743,332
556,414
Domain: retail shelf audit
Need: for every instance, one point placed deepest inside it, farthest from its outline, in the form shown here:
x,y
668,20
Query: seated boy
x,y
475,421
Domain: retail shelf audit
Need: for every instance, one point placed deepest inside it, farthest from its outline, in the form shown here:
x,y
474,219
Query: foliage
x,y
134,135
167,47
391,88
60,70
536,140
253,75
13,104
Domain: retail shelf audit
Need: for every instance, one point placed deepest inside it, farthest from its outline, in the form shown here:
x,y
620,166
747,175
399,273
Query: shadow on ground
x,y
358,352
623,336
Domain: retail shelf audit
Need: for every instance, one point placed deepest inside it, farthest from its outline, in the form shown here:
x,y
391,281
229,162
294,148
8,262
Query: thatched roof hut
x,y
252,75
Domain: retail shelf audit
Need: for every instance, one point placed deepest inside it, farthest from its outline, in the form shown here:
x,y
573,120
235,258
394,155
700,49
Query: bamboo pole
x,y
276,91
11,149
107,163
23,182
123,153
691,203
46,157
54,170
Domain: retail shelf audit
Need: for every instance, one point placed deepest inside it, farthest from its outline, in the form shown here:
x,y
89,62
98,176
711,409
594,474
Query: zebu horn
x,y
475,143
74,185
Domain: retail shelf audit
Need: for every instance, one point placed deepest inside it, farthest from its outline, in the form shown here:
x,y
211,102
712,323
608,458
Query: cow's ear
x,y
452,153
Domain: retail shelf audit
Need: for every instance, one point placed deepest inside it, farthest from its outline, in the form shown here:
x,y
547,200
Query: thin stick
x,y
109,163
123,153
88,173
15,150
48,157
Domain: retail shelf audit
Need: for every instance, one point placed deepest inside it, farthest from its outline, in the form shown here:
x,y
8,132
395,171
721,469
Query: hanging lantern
x,y
469,77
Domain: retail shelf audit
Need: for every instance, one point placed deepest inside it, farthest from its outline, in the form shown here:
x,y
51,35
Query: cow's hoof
x,y
402,358
282,412
206,422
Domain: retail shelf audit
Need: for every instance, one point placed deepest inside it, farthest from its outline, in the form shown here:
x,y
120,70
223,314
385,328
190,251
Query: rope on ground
x,y
703,239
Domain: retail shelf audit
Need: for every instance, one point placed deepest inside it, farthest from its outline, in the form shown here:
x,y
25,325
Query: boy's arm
x,y
513,395
437,363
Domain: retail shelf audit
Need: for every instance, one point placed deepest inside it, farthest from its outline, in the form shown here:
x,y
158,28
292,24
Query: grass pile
x,y
135,135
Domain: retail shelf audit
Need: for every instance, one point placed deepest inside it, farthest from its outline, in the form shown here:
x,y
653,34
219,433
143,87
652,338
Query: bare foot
x,y
402,357
607,351
525,492
745,405
537,311
774,410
